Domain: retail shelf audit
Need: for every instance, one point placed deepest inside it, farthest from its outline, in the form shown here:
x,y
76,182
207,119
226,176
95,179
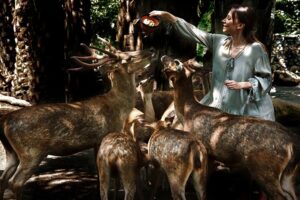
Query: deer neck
x,y
183,95
124,90
148,107
131,90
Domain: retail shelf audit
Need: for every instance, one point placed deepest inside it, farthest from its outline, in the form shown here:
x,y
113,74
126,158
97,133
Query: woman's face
x,y
229,25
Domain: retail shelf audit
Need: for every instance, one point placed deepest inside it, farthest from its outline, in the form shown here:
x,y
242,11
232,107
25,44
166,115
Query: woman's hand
x,y
164,15
233,85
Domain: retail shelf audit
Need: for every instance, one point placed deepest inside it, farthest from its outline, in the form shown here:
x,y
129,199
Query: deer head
x,y
175,68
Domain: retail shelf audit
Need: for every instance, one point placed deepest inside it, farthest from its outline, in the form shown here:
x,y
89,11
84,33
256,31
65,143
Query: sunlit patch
x,y
215,138
288,185
223,51
134,114
224,118
242,9
51,176
75,105
68,124
62,181
247,51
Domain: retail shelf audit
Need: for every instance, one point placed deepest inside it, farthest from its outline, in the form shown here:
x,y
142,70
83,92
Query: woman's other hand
x,y
233,85
164,15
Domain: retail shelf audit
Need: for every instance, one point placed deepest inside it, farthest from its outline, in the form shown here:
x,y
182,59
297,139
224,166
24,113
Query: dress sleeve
x,y
262,80
191,32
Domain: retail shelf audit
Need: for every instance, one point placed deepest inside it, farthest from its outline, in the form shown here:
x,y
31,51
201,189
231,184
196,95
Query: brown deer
x,y
266,149
30,134
180,155
119,156
137,124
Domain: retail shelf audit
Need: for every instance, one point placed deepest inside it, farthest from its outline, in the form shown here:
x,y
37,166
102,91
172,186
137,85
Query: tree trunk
x,y
37,39
23,84
63,25
7,46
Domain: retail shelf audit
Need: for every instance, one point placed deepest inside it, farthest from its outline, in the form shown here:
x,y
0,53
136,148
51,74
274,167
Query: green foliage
x,y
103,17
204,24
287,17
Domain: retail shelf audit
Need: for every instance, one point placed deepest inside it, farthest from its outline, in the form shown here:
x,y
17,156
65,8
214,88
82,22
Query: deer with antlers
x,y
30,134
266,149
119,155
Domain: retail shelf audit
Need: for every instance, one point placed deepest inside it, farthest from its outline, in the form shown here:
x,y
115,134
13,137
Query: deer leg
x,y
199,183
12,162
104,178
128,177
278,185
178,182
177,189
287,183
22,174
273,188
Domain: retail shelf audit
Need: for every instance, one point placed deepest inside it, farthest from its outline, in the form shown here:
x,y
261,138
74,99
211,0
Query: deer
x,y
180,156
137,123
119,156
266,149
178,153
31,133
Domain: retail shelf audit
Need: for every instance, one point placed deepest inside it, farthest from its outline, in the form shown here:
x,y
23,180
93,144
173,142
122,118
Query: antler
x,y
93,60
110,57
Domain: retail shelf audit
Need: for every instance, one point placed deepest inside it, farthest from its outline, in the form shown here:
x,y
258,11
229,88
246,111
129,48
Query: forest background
x,y
38,37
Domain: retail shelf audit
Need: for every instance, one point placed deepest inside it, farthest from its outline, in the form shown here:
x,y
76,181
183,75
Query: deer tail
x,y
200,169
200,155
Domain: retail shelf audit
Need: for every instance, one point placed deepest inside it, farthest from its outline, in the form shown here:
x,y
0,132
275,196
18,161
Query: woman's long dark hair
x,y
246,15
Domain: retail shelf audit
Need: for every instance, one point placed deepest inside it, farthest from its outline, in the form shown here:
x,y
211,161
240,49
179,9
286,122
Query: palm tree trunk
x,y
7,46
23,84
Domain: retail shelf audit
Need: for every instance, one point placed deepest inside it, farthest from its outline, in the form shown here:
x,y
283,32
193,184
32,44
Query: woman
x,y
241,70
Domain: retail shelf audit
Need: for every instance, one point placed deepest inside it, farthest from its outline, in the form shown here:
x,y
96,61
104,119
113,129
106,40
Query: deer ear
x,y
188,70
194,64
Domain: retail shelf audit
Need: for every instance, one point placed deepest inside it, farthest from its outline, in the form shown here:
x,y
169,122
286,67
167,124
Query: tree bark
x,y
7,46
23,84
37,39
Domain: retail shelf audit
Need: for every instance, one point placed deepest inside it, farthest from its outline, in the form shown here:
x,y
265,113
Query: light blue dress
x,y
252,65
